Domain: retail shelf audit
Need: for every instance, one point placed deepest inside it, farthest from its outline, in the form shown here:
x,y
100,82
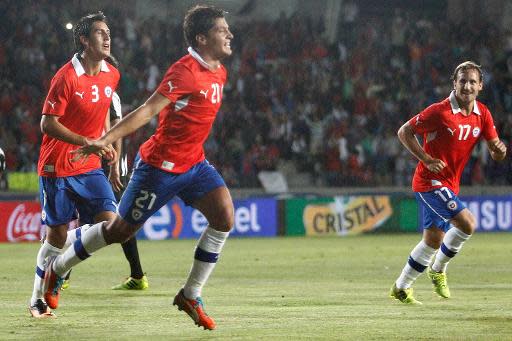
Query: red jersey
x,y
81,102
195,93
450,136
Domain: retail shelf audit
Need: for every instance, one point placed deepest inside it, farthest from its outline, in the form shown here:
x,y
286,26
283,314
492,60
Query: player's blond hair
x,y
467,65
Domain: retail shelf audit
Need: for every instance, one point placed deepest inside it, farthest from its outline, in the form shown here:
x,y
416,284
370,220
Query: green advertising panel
x,y
344,215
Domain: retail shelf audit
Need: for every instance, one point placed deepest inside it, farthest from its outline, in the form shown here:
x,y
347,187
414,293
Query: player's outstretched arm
x,y
497,149
409,140
133,121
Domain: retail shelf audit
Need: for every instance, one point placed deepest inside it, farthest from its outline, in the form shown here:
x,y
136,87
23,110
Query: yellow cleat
x,y
403,295
133,284
65,284
439,280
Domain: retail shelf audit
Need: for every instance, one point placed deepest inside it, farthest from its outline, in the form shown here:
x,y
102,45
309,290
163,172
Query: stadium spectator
x,y
450,130
367,72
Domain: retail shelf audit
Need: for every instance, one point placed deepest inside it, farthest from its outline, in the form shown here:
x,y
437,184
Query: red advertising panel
x,y
20,221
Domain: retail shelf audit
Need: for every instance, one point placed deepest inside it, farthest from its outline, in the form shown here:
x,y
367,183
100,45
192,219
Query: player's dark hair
x,y
199,20
113,61
467,65
83,28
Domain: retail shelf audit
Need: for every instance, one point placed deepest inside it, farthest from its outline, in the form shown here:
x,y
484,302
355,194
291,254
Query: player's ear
x,y
201,39
84,41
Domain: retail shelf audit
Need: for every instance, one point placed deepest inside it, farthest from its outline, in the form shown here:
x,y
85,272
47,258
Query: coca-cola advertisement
x,y
20,221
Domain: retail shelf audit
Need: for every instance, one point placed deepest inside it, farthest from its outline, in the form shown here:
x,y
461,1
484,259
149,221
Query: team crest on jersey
x,y
452,205
476,131
136,214
108,91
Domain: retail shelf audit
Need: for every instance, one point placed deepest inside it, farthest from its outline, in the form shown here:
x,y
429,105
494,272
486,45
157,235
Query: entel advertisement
x,y
20,221
492,213
253,218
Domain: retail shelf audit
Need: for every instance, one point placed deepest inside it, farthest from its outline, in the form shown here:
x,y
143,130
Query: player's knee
x,y
57,235
433,237
434,241
468,225
118,231
224,219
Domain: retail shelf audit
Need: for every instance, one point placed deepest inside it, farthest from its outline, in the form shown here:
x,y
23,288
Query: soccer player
x,y
172,161
75,109
137,279
3,178
118,177
450,130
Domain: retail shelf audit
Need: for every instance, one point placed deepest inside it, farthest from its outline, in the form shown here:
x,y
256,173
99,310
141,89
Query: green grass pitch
x,y
271,289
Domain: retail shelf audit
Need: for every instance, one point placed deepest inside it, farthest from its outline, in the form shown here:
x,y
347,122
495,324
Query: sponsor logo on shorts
x,y
136,214
452,205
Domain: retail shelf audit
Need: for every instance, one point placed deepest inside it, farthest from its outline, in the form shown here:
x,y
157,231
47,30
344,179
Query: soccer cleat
x,y
194,309
53,284
403,295
133,284
65,284
439,281
40,310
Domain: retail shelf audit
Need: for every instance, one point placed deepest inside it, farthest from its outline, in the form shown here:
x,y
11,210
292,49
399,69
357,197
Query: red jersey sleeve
x,y
488,128
177,83
58,95
426,121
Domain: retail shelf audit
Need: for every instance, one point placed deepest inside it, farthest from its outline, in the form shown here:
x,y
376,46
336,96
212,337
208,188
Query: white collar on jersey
x,y
455,106
197,57
79,69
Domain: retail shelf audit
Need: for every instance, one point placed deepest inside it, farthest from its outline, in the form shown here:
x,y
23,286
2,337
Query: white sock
x,y
75,234
207,252
46,250
452,243
419,259
91,241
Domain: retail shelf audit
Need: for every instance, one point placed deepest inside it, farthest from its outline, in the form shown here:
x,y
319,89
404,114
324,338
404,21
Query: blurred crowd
x,y
329,109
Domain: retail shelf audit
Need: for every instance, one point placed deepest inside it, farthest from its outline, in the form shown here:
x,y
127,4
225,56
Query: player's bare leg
x,y
74,234
419,259
464,226
52,246
96,237
217,207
